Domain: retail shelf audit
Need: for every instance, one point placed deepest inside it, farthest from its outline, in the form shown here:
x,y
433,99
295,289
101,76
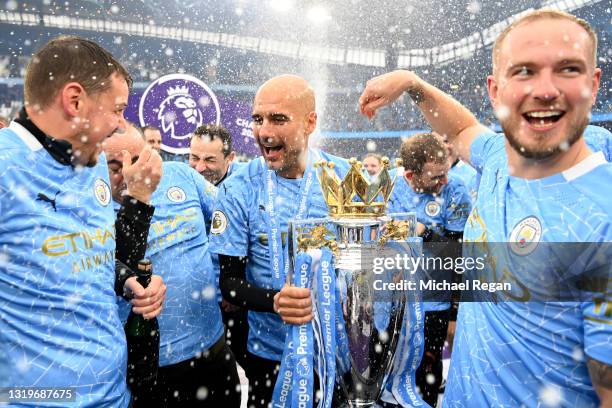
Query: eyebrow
x,y
274,115
529,64
120,163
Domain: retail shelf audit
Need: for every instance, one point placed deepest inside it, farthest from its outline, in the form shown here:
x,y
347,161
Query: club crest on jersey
x,y
219,223
178,104
102,192
525,236
176,194
432,208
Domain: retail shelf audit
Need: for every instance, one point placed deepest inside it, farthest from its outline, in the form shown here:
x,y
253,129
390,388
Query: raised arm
x,y
445,115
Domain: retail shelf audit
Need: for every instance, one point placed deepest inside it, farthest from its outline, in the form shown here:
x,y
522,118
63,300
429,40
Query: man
x,y
212,155
59,326
372,163
442,205
3,122
193,355
543,86
152,137
250,221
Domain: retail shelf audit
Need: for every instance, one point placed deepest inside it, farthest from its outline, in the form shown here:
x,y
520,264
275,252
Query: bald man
x,y
249,225
193,354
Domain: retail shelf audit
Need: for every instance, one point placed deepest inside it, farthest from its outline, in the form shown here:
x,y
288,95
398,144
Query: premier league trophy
x,y
357,322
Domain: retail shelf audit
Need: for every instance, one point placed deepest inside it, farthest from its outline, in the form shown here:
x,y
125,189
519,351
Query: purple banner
x,y
178,104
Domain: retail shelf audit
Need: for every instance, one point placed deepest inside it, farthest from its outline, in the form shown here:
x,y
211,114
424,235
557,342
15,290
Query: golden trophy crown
x,y
355,196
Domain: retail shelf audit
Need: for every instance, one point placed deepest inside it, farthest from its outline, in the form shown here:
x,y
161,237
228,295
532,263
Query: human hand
x,y
420,228
142,176
384,89
293,304
148,301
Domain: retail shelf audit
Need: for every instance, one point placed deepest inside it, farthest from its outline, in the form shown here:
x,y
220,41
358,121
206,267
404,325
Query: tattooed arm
x,y
601,376
445,115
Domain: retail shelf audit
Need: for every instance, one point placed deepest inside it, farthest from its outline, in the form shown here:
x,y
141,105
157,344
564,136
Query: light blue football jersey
x,y
531,353
469,176
234,166
178,247
599,140
243,231
59,325
447,211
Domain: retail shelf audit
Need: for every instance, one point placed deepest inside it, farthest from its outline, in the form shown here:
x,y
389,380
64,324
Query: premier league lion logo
x,y
178,104
179,110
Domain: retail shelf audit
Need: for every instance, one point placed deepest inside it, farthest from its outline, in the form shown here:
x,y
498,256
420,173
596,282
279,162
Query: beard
x,y
576,131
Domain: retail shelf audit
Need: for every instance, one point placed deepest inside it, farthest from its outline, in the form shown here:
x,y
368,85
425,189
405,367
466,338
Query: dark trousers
x,y
429,373
237,333
209,380
262,375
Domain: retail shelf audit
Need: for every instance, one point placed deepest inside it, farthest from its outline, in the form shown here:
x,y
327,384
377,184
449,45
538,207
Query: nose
x,y
263,129
544,87
122,124
200,166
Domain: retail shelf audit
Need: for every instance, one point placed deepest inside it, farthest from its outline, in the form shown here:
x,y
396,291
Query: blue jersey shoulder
x,y
599,140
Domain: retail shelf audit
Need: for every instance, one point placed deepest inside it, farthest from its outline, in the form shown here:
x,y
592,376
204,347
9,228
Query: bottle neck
x,y
144,278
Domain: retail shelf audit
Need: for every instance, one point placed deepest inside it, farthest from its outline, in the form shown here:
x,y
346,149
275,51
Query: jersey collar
x,y
585,166
60,150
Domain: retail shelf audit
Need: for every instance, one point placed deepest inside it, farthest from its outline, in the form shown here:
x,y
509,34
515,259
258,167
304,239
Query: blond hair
x,y
542,14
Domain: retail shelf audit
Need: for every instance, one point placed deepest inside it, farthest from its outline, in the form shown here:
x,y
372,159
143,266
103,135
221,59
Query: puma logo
x,y
42,197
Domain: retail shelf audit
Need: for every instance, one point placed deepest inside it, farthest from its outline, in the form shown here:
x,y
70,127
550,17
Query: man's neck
x,y
297,170
51,122
522,167
222,178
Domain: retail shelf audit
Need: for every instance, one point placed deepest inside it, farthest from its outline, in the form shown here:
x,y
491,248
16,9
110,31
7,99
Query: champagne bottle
x,y
143,346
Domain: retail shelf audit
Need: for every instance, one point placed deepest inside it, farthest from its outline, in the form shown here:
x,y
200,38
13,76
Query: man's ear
x,y
408,174
492,88
231,156
595,86
72,98
311,122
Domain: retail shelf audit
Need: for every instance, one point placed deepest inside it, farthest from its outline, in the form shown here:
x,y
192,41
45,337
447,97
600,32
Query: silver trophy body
x,y
371,322
368,321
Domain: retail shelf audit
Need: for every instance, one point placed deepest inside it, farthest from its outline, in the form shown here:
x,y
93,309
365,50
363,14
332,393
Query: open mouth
x,y
543,119
272,149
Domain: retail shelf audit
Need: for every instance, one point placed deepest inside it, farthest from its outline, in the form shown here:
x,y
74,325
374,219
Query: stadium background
x,y
235,45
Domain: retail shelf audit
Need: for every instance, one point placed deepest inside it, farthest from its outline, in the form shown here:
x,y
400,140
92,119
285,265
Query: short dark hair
x,y
422,148
212,131
69,59
149,127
